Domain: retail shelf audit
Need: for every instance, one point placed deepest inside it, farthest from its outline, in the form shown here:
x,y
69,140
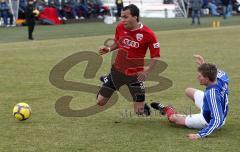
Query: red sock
x,y
169,111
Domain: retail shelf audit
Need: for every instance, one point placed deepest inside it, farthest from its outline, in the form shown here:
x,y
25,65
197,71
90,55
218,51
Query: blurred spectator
x,y
22,8
73,8
227,8
98,9
236,5
5,13
196,6
213,6
84,9
10,15
205,3
40,5
59,5
30,18
49,16
119,4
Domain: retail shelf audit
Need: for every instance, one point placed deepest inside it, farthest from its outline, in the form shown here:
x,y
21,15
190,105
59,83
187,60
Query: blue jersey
x,y
215,104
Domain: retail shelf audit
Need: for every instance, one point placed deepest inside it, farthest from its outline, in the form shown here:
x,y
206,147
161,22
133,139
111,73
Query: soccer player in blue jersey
x,y
213,102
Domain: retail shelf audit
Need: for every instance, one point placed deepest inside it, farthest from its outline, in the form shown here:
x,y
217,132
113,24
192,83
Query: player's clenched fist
x,y
104,50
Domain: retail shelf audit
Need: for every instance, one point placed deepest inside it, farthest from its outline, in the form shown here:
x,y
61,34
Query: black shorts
x,y
115,79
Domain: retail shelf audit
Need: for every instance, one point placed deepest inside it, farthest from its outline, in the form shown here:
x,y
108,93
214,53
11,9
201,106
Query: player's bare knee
x,y
101,100
190,93
139,107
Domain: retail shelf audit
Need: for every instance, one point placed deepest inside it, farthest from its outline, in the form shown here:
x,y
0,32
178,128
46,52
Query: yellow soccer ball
x,y
36,12
22,111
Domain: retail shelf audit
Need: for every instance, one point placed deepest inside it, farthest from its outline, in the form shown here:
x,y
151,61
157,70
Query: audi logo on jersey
x,y
156,45
130,43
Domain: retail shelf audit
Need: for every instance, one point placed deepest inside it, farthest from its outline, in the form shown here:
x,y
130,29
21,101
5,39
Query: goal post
x,y
14,8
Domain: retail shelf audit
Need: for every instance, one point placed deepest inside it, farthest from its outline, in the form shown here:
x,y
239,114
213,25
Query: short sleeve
x,y
154,46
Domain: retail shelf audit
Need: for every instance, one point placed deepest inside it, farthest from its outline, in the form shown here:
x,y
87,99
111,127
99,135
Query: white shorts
x,y
197,121
198,98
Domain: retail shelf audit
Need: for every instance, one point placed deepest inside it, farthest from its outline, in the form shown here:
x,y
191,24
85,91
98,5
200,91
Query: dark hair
x,y
134,10
208,70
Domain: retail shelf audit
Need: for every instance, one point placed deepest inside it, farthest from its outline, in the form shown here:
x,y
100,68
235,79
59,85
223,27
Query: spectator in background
x,y
10,16
40,5
49,16
59,5
119,4
4,11
227,8
205,4
213,6
98,9
196,6
84,9
30,18
22,8
73,8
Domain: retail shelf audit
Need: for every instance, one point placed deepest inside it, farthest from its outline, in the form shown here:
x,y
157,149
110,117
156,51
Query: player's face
x,y
202,80
128,20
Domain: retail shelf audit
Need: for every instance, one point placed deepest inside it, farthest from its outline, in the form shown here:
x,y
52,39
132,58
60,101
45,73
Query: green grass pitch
x,y
24,77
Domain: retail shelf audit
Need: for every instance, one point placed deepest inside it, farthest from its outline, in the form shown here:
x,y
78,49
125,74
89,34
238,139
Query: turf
x,y
24,77
92,29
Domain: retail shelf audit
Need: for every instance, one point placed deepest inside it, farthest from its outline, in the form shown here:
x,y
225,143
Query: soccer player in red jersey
x,y
132,40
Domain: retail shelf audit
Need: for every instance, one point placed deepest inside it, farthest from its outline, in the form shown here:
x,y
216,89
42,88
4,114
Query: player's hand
x,y
104,50
199,59
193,136
142,76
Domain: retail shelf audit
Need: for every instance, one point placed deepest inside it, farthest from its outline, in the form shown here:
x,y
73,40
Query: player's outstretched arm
x,y
199,59
106,49
142,76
